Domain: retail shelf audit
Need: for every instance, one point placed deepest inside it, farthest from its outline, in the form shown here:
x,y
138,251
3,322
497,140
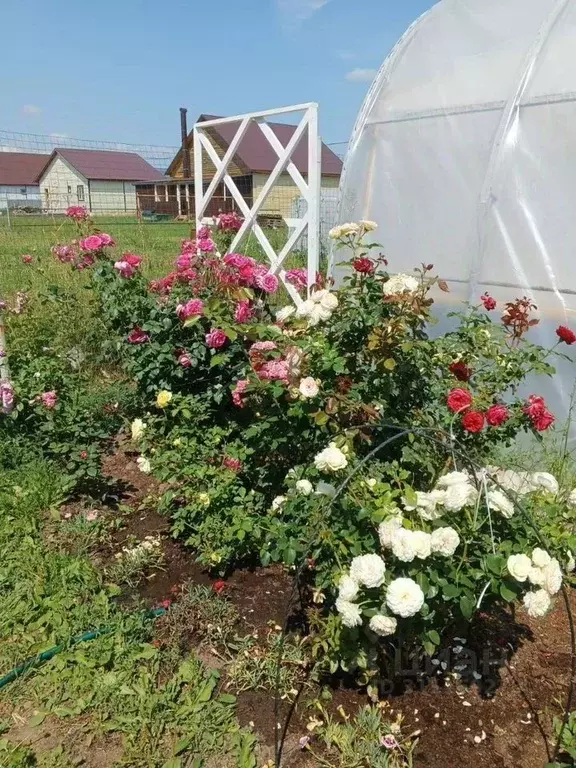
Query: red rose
x,y
536,406
84,455
565,334
230,462
543,420
488,301
459,399
461,371
363,265
27,259
473,421
166,604
496,415
137,336
219,586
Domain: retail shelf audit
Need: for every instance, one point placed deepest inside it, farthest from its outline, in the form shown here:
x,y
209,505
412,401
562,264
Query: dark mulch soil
x,y
502,720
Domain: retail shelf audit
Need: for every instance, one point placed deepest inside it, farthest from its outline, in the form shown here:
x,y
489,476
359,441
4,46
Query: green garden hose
x,y
35,661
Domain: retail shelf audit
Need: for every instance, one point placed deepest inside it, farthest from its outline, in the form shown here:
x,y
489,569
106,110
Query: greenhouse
x,y
464,153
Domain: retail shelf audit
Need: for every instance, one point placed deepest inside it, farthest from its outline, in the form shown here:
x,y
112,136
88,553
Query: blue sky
x,y
119,69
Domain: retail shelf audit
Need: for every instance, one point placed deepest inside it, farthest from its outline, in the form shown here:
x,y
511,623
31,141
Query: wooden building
x,y
253,162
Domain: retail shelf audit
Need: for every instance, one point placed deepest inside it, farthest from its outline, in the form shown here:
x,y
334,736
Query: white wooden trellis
x,y
308,188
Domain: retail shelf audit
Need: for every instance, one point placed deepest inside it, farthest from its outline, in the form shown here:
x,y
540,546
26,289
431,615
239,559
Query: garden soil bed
x,y
500,721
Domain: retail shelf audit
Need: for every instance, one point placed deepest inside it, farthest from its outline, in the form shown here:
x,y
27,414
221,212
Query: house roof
x,y
20,169
255,153
105,165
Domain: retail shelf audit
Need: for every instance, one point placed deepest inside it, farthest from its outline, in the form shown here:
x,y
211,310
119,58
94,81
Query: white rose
x,y
383,625
331,459
367,225
143,465
427,504
325,489
459,496
422,544
318,313
519,482
540,557
304,309
537,603
284,313
501,503
278,502
371,482
350,228
453,478
350,613
444,541
552,577
347,588
544,481
403,545
308,387
404,597
519,567
304,487
137,428
570,562
536,577
328,300
387,529
368,570
335,233
400,284
572,499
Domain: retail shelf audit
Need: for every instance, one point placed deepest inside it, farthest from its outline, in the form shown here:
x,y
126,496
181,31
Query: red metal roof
x,y
21,169
256,154
104,165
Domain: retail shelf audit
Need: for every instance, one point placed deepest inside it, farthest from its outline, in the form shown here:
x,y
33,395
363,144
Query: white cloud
x,y
359,75
300,10
31,109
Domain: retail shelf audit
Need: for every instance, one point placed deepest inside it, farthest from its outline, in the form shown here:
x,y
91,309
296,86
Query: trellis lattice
x,y
309,187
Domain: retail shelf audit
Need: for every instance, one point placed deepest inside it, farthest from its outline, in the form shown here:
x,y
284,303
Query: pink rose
x,y
297,277
207,245
27,259
64,253
49,399
274,370
77,212
184,261
216,338
133,259
232,463
268,282
124,268
204,233
188,246
243,312
91,516
184,360
91,243
238,260
138,336
238,392
106,240
192,308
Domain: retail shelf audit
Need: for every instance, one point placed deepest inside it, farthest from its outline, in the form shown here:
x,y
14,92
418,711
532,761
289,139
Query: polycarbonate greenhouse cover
x,y
464,152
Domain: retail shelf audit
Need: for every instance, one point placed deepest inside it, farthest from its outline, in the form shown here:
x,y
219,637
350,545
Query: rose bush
x,y
255,413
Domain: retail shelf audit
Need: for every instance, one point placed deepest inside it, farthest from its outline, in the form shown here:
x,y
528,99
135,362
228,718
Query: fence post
x,y
8,220
4,368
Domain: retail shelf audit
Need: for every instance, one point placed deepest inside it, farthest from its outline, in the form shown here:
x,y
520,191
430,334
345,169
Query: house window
x,y
80,193
69,189
23,191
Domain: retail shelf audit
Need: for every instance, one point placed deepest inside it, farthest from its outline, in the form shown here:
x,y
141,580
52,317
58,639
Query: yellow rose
x,y
163,398
204,499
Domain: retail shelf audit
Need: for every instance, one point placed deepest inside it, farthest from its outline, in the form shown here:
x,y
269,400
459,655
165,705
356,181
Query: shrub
x,y
254,416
